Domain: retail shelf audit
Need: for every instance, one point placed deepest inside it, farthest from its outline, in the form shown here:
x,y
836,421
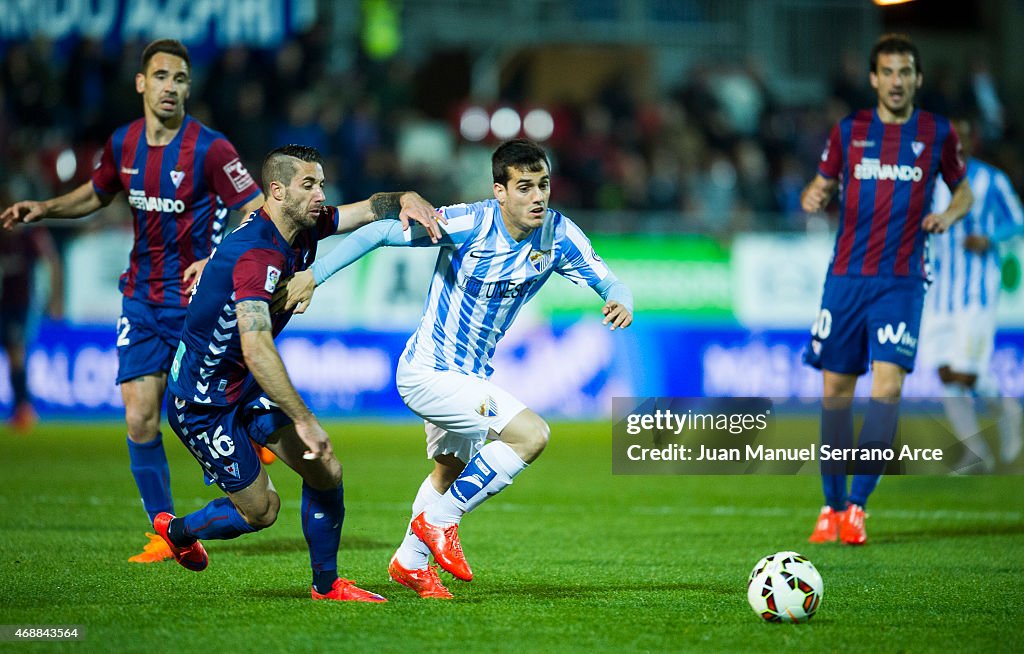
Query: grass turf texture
x,y
568,558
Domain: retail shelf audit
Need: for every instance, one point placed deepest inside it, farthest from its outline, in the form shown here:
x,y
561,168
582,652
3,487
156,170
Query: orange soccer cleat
x,y
193,557
425,582
24,418
826,530
156,550
851,525
444,545
264,453
344,590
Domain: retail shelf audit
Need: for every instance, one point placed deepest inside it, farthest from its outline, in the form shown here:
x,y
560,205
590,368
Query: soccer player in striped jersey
x,y
884,162
228,385
181,178
959,325
494,256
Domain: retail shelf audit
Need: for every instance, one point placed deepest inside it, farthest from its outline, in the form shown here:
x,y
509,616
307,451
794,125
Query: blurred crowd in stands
x,y
717,152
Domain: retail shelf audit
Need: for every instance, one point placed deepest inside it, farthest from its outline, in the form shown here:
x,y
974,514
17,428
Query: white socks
x,y
413,553
488,473
491,470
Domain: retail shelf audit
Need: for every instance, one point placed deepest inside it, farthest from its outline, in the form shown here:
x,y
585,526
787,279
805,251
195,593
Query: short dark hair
x,y
278,166
521,154
168,46
894,44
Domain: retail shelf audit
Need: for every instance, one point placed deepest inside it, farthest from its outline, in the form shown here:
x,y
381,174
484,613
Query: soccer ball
x,y
785,587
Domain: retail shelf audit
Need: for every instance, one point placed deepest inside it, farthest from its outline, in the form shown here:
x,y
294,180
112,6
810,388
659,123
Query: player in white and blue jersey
x,y
959,324
494,256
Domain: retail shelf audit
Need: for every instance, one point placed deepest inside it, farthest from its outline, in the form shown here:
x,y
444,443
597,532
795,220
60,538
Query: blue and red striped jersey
x,y
887,172
209,367
179,196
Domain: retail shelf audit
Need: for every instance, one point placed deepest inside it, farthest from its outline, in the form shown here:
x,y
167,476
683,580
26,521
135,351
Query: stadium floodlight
x,y
66,165
539,124
474,124
505,123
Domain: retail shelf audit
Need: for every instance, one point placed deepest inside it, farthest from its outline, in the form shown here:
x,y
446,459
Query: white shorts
x,y
459,410
962,341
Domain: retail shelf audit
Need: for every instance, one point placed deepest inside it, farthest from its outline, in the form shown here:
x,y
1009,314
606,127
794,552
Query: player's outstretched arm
x,y
959,205
74,204
404,206
817,194
296,292
264,362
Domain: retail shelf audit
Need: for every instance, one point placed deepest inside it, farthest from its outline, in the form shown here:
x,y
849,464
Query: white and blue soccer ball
x,y
785,587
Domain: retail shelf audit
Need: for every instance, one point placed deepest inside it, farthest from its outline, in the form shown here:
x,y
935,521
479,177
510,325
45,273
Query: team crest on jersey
x,y
488,408
273,275
232,469
176,177
540,259
917,147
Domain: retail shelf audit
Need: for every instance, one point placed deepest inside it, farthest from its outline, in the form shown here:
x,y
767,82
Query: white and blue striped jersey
x,y
963,280
483,277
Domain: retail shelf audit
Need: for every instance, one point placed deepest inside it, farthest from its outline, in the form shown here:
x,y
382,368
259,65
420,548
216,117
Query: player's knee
x,y
537,438
143,422
887,389
265,515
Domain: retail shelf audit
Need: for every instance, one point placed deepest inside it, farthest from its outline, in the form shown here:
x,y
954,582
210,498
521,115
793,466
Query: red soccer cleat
x,y
826,530
444,545
851,525
156,550
345,590
193,557
425,582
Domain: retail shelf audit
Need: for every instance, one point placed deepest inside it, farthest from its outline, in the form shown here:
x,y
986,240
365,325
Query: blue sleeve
x,y
610,288
360,242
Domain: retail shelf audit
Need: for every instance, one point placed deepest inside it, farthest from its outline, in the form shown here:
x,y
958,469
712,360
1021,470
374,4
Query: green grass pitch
x,y
570,558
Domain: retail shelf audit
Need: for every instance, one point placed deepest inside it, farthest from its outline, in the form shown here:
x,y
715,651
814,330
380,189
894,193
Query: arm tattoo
x,y
253,316
385,205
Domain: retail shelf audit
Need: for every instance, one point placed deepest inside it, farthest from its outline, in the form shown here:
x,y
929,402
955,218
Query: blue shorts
x,y
147,337
218,436
864,319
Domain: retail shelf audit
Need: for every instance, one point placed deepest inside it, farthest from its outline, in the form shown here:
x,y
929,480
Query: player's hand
x,y
294,293
316,440
190,279
977,243
937,223
33,210
616,315
814,198
414,207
